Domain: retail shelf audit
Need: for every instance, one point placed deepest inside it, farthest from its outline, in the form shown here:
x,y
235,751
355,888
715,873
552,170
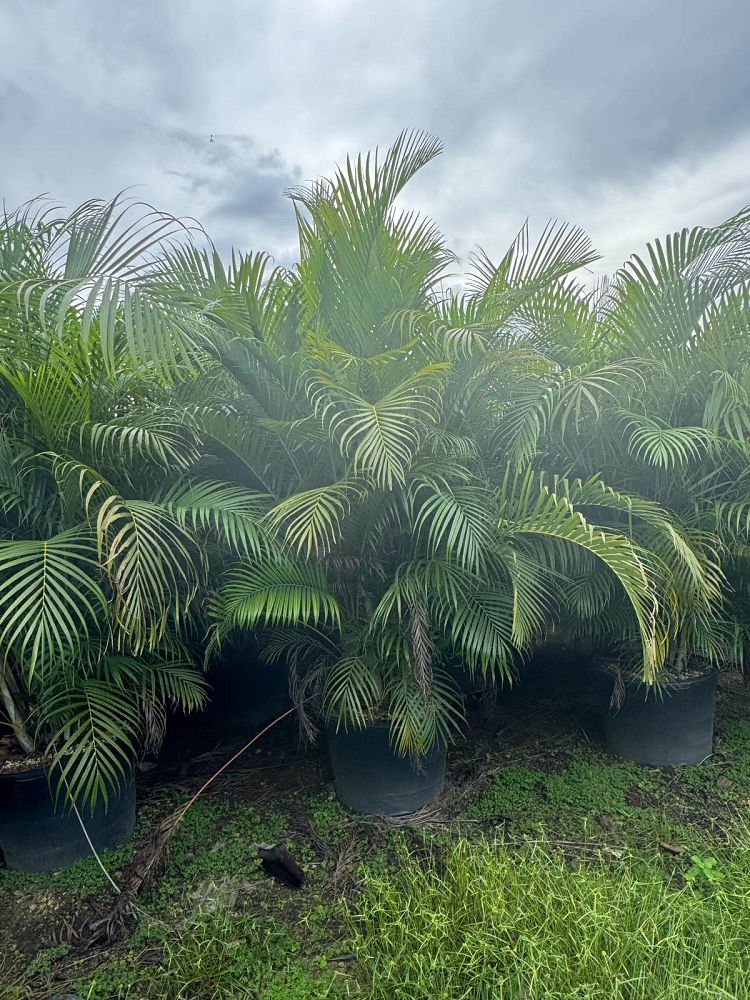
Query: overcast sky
x,y
629,118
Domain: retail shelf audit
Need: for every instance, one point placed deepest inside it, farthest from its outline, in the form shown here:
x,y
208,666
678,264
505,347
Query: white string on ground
x,y
99,861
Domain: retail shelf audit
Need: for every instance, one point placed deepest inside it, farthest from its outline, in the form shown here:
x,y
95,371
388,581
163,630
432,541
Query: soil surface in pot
x,y
12,761
691,674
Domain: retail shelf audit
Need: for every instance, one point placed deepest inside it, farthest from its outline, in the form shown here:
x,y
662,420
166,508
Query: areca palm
x,y
367,408
101,555
650,390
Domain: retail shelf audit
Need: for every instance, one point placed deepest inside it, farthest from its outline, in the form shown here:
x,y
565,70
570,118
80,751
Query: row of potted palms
x,y
383,475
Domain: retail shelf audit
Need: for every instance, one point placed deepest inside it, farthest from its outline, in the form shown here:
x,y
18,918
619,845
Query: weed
x,y
213,847
514,793
587,788
79,879
705,867
646,807
331,821
562,801
734,746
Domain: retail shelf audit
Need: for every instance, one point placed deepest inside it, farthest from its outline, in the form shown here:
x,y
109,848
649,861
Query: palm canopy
x,y
101,558
650,388
101,263
368,408
405,475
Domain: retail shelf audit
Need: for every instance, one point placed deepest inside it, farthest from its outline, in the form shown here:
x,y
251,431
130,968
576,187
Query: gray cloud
x,y
237,182
629,119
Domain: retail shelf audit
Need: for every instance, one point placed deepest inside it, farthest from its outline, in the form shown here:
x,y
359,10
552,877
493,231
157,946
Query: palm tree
x,y
650,389
102,555
367,404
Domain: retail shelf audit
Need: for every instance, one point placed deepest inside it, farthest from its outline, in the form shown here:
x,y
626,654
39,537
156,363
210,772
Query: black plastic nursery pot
x,y
246,693
39,835
372,778
675,726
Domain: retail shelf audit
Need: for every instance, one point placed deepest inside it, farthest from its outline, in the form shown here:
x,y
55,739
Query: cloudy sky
x,y
630,119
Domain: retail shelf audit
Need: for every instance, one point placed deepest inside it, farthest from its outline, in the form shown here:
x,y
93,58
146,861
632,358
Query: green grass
x,y
16,972
517,922
647,806
491,924
564,801
218,956
203,943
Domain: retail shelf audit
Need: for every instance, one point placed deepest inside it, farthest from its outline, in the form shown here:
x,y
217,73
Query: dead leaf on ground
x,y
671,848
605,820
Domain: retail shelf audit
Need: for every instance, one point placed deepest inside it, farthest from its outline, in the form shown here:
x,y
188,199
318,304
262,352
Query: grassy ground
x,y
547,870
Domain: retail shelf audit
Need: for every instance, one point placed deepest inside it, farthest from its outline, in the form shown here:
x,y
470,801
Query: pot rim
x,y
40,771
331,722
669,682
26,773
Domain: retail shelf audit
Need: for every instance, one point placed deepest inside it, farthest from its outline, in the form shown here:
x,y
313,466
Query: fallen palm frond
x,y
148,859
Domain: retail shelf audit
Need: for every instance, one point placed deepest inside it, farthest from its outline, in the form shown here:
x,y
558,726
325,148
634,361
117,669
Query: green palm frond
x,y
361,261
458,520
249,298
231,513
381,438
566,399
173,680
454,332
269,378
362,192
153,437
353,692
310,520
98,261
660,302
295,646
50,596
689,555
538,589
560,250
478,621
433,579
283,592
22,496
95,728
481,628
419,724
589,594
530,509
233,434
656,443
55,395
733,518
444,442
153,564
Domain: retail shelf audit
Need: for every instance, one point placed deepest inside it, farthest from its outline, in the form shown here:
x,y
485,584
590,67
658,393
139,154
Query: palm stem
x,y
7,686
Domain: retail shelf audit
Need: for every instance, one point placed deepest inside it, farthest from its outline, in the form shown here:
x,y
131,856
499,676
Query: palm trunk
x,y
680,658
7,688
